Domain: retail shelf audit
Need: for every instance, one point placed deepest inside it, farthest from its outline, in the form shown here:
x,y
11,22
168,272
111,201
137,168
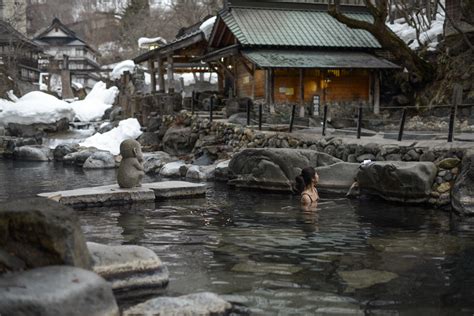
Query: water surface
x,y
260,250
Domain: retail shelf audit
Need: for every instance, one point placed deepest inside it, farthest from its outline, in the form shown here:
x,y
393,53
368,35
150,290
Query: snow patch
x,y
111,140
120,68
206,26
95,103
34,107
143,41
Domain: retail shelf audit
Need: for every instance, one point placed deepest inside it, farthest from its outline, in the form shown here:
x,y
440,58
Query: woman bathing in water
x,y
306,186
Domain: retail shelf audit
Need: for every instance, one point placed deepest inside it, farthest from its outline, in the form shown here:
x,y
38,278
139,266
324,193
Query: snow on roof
x,y
206,26
129,128
142,41
121,67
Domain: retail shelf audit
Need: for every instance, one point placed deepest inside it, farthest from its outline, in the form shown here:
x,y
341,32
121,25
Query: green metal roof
x,y
267,58
299,27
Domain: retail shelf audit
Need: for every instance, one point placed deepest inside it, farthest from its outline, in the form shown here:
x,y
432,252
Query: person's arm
x,y
305,200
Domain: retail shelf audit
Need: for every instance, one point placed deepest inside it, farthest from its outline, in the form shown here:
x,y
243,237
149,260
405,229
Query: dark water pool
x,y
260,250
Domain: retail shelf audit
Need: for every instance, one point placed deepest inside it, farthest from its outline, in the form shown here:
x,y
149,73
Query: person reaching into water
x,y
306,186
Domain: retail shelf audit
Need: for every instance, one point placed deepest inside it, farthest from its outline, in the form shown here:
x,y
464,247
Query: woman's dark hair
x,y
304,179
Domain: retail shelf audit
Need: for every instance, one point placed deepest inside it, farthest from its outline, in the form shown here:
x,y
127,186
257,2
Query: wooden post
x,y
457,99
301,93
292,120
248,111
253,81
151,68
193,100
325,117
377,92
359,122
170,74
402,125
211,108
260,116
161,76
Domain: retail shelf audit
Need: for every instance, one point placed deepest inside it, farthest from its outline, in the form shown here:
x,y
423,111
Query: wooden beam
x,y
242,60
151,67
161,76
301,96
227,71
377,93
170,73
253,81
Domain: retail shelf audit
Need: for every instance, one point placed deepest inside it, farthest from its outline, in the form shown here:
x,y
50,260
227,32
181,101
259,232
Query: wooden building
x,y
18,54
288,52
67,49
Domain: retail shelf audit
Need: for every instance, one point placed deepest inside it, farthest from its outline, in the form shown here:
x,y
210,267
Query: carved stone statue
x,y
130,172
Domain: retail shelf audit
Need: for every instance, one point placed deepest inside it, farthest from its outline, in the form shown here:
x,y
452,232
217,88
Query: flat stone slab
x,y
114,195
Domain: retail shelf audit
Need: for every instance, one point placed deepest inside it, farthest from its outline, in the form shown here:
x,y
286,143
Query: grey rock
x,y
411,155
150,140
398,181
108,127
273,168
172,169
337,178
428,156
449,163
78,158
463,190
100,160
62,150
222,171
352,158
131,270
448,177
56,290
154,124
439,180
154,161
33,153
41,232
202,173
393,157
202,304
178,141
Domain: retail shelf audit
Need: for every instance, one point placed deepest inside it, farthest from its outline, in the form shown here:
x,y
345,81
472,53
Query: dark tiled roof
x,y
279,58
299,27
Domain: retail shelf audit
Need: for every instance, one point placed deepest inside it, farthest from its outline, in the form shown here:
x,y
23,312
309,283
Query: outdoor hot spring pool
x,y
261,251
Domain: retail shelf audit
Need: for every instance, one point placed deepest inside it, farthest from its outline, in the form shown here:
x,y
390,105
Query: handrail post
x,y
292,120
359,122
402,124
325,116
260,116
248,112
457,99
211,108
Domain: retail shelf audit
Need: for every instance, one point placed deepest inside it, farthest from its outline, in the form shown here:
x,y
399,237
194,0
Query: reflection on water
x,y
261,250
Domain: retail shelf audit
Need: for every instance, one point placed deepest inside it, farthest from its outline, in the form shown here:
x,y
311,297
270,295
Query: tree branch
x,y
464,36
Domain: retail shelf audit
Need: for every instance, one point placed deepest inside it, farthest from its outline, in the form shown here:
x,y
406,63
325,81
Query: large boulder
x,y
56,290
409,182
273,168
201,173
202,304
62,150
154,161
172,169
462,194
179,141
100,160
79,157
33,153
131,270
337,178
41,232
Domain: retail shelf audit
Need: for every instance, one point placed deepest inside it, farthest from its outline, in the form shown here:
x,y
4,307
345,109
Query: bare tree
x,y
421,71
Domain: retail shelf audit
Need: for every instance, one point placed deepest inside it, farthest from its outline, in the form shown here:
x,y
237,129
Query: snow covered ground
x,y
110,141
429,33
40,107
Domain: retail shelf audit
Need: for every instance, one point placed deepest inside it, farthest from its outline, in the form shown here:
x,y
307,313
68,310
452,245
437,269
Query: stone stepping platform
x,y
113,195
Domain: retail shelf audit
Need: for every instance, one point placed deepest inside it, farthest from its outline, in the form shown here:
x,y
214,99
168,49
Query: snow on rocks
x,y
35,107
172,169
120,68
428,34
110,141
95,103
